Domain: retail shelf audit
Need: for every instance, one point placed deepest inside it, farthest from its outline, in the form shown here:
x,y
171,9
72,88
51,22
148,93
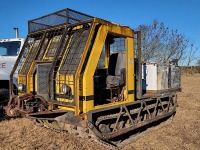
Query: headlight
x,y
20,87
66,89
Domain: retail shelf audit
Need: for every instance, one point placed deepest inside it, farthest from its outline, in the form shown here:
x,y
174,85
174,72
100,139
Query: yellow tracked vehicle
x,y
81,74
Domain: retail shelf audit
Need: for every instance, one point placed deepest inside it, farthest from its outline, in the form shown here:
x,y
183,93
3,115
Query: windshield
x,y
10,48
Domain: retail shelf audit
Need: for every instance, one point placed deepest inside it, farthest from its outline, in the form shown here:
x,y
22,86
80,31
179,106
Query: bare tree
x,y
191,56
160,44
198,62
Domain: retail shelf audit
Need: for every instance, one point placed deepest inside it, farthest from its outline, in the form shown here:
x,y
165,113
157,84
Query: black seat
x,y
115,80
116,70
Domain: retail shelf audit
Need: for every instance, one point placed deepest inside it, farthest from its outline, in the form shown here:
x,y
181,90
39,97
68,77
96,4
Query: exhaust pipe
x,y
16,33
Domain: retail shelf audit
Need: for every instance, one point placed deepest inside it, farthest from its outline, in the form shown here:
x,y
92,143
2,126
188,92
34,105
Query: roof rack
x,y
65,16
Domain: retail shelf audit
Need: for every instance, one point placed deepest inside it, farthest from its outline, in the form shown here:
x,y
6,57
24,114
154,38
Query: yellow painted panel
x,y
22,79
78,75
111,104
88,84
92,62
20,94
130,65
64,79
66,108
29,85
65,100
88,105
36,82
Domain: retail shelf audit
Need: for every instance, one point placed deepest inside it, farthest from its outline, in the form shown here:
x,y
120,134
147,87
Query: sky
x,y
183,15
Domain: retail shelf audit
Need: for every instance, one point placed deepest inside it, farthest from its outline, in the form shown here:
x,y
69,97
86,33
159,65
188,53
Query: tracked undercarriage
x,y
110,127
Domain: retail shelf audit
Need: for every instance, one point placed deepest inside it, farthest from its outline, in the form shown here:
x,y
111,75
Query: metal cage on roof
x,y
65,16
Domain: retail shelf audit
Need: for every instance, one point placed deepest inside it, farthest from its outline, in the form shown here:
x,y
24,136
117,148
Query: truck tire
x,y
4,95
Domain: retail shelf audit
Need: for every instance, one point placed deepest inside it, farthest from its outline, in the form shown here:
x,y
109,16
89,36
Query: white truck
x,y
9,50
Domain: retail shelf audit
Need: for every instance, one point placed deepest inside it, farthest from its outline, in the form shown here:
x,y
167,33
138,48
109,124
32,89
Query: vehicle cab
x,y
9,50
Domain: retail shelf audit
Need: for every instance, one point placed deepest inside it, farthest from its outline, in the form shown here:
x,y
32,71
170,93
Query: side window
x,y
9,48
3,51
101,62
13,48
118,45
112,45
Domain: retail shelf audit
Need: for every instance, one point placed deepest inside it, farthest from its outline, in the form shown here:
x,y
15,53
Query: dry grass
x,y
22,134
182,133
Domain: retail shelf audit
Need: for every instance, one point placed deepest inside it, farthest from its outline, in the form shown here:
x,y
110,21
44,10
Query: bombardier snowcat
x,y
81,74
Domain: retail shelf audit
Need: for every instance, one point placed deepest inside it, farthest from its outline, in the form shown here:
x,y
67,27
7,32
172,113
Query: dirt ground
x,y
182,133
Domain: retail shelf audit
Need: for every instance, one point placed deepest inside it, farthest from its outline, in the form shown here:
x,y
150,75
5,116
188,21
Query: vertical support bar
x,y
139,66
130,79
107,53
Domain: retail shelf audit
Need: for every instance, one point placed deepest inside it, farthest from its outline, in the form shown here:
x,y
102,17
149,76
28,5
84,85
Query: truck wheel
x,y
4,95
